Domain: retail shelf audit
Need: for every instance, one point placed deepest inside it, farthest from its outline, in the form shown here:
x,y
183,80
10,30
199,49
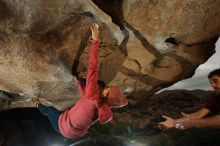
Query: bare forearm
x,y
193,116
193,119
198,114
208,122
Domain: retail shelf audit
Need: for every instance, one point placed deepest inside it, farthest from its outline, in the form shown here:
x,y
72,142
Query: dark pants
x,y
52,114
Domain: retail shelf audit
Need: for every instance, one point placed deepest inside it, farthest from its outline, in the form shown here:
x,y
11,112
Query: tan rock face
x,y
146,45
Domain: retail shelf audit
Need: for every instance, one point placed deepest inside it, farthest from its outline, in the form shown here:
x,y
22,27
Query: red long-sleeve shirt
x,y
75,121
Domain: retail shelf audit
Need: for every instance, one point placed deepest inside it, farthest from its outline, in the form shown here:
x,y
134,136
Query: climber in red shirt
x,y
95,103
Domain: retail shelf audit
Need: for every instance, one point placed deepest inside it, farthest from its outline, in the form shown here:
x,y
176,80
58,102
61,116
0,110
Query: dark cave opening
x,y
172,40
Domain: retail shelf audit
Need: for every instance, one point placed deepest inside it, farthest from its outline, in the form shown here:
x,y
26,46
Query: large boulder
x,y
146,45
